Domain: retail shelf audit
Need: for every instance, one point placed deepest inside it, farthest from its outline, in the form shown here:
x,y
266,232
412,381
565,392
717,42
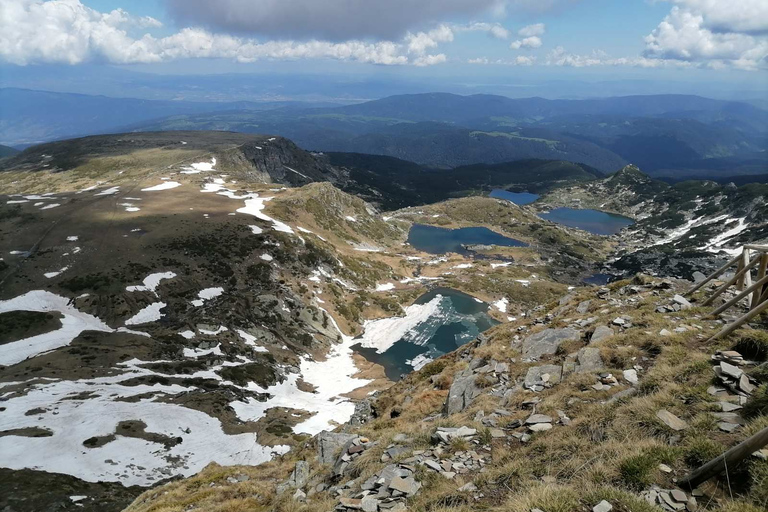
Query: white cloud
x,y
713,33
66,31
518,61
495,30
748,16
528,42
419,43
536,29
531,37
560,57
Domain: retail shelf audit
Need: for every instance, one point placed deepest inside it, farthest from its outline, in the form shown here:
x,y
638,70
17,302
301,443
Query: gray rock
x,y
329,444
671,420
407,486
589,360
551,372
682,301
462,392
369,504
583,307
538,418
698,277
547,341
630,376
603,506
603,332
299,495
731,370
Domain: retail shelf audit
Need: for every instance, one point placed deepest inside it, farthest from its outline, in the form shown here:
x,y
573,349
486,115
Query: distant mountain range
x,y
666,135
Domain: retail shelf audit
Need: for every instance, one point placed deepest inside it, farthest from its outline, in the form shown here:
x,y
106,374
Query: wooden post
x,y
743,269
742,265
714,275
741,321
757,286
761,272
729,459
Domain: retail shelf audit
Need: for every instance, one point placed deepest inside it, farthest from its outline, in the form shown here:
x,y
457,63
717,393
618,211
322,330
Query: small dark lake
x,y
598,279
594,221
456,318
436,240
520,198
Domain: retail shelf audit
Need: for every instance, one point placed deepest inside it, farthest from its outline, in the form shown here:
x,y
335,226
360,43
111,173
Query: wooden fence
x,y
752,258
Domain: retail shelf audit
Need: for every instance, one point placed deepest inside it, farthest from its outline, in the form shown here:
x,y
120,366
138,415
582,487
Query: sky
x,y
655,39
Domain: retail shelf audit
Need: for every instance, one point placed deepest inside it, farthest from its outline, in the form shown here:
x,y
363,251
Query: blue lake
x,y
594,221
436,240
458,319
516,197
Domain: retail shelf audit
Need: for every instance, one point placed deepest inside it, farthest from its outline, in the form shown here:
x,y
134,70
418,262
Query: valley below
x,y
186,316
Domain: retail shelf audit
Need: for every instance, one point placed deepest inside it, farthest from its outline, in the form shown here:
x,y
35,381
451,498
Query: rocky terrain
x,y
192,308
677,227
601,401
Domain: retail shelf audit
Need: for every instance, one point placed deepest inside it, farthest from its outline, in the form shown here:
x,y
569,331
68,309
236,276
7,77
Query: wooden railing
x,y
756,291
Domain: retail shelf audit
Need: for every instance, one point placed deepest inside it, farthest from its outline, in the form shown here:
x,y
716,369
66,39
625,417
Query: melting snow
x,y
385,287
207,294
200,167
331,378
150,313
151,282
72,238
383,333
419,362
501,304
48,207
163,186
130,461
251,341
72,324
51,275
108,191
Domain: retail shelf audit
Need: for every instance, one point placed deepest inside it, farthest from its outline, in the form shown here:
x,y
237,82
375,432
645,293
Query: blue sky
x,y
690,40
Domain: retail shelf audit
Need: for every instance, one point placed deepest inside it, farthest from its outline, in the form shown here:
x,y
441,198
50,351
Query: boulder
x,y
547,341
603,332
589,360
462,392
329,444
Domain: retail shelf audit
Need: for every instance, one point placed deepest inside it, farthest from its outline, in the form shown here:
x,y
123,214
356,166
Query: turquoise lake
x,y
458,320
436,240
520,198
593,221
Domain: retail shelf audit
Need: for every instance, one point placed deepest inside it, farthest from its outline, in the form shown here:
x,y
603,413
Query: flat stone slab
x,y
547,341
538,418
671,420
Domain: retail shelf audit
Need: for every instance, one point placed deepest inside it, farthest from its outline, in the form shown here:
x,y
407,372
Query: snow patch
x,y
72,324
163,186
148,314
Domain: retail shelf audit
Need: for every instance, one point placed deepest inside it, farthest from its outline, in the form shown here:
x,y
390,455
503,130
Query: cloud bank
x,y
714,33
334,20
